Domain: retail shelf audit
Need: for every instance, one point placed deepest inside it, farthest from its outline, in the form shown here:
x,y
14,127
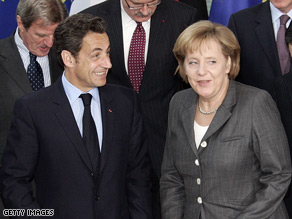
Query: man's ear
x,y
19,23
67,58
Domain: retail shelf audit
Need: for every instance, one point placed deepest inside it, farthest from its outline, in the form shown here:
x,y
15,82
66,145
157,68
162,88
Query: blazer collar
x,y
223,113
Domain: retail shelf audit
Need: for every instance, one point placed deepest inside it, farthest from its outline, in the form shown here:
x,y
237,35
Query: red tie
x,y
136,61
283,51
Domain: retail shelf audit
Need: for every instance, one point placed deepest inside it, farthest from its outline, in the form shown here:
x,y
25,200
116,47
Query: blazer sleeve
x,y
19,160
138,171
172,190
271,148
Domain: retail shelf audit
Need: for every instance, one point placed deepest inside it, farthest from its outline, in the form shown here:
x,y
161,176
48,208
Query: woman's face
x,y
207,70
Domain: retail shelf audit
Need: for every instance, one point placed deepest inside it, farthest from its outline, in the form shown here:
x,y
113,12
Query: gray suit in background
x,y
14,82
242,168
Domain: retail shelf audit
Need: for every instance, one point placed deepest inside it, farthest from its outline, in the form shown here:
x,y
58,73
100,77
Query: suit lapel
x,y
188,118
115,32
224,111
65,115
13,65
108,117
266,38
157,31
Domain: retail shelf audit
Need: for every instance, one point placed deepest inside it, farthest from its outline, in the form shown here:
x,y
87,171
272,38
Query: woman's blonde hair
x,y
192,38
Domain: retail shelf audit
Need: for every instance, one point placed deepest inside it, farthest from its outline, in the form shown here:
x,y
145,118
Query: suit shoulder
x,y
180,7
250,93
117,90
182,95
7,44
251,12
96,9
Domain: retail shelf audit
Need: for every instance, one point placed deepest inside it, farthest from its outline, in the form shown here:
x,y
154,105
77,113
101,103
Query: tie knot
x,y
32,57
283,19
86,98
139,26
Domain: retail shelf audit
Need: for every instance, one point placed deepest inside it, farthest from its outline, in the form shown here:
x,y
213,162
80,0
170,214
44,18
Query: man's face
x,y
283,5
38,38
90,67
140,10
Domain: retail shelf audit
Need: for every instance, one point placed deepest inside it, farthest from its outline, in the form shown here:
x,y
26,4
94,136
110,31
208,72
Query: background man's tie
x,y
283,52
90,137
136,61
35,73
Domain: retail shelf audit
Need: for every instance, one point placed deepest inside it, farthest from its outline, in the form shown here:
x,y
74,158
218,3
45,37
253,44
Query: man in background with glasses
x,y
142,34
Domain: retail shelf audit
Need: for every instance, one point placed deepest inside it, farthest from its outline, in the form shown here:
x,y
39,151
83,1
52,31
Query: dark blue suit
x,y
282,94
259,61
44,143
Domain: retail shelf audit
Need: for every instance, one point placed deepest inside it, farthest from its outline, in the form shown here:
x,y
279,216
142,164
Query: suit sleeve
x,y
19,161
271,148
172,190
138,179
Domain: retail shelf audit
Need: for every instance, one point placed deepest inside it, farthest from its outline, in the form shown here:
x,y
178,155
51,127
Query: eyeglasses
x,y
139,6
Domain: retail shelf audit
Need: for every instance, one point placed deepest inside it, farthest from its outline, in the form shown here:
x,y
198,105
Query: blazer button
x,y
204,144
199,200
197,162
97,198
92,174
198,181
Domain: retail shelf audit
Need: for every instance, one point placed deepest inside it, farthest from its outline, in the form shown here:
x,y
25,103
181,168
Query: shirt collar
x,y
127,20
19,43
73,92
276,13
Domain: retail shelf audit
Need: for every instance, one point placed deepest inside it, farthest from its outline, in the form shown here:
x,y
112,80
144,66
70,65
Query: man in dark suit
x,y
163,22
34,34
47,138
36,20
282,94
256,30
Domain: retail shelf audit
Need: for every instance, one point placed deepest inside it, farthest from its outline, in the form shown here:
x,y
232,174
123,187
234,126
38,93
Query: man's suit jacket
x,y
282,93
242,168
44,143
200,5
159,83
259,61
14,82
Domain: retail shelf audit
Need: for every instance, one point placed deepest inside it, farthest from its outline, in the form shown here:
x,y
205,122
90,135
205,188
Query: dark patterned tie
x,y
283,51
35,73
136,61
90,138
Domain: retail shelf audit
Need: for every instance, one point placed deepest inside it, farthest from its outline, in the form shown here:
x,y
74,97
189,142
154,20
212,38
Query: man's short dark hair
x,y
70,33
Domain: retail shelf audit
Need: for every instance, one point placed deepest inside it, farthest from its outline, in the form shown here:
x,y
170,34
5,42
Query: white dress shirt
x,y
129,26
73,95
276,14
43,61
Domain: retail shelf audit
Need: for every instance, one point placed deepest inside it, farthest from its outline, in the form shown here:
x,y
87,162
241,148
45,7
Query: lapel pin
x,y
110,110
